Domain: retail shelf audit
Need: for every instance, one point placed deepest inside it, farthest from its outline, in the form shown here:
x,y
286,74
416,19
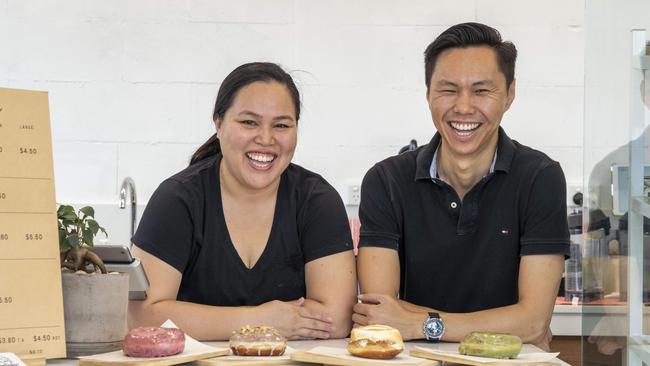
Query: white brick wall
x,y
85,171
385,12
541,14
132,83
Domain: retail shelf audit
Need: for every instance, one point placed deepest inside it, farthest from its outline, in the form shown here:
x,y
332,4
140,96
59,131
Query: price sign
x,y
28,150
31,304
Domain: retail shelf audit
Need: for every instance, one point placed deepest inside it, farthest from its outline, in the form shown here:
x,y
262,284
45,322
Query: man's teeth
x,y
264,158
464,126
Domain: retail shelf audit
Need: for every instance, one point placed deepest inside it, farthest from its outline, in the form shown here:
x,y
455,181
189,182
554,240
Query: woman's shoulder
x,y
304,179
192,179
200,170
308,189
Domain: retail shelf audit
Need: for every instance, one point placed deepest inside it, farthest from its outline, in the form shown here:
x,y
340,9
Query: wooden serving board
x,y
219,361
462,360
249,360
117,358
341,357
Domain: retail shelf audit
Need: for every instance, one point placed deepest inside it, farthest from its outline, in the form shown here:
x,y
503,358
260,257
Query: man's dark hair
x,y
472,35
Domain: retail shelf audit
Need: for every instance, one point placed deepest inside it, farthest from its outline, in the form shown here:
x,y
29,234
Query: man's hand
x,y
386,310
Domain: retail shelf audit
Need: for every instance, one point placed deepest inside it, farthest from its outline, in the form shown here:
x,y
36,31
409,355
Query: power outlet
x,y
354,194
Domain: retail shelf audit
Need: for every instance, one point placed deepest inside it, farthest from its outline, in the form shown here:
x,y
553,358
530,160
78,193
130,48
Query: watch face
x,y
434,328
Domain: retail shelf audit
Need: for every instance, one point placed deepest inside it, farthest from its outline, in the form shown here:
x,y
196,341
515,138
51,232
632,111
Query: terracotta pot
x,y
95,307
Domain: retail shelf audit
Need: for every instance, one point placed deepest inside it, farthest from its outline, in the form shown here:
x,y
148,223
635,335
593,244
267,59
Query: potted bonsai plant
x,y
95,302
76,234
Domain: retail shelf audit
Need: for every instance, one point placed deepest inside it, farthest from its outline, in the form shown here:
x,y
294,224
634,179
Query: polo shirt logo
x,y
505,231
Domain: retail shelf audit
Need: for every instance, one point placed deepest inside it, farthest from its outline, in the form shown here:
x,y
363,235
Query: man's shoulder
x,y
526,157
403,165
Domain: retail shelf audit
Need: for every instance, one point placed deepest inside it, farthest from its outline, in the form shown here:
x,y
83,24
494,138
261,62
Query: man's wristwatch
x,y
433,327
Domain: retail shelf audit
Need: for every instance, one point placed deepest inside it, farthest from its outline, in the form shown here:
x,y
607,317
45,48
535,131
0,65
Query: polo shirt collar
x,y
425,163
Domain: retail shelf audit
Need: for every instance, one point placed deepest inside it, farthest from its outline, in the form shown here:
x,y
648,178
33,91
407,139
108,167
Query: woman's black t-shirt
x,y
183,225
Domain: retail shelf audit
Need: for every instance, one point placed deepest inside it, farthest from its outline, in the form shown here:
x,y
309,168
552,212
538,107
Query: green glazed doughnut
x,y
493,345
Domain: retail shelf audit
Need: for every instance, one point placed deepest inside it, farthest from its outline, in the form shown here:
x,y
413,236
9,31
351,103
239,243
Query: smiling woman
x,y
258,136
242,236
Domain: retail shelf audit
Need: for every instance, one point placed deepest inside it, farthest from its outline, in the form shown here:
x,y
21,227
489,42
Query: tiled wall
x,y
132,82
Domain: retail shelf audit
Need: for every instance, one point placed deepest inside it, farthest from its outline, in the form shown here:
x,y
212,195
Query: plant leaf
x,y
70,216
63,243
88,211
64,209
73,240
93,225
77,228
64,246
88,236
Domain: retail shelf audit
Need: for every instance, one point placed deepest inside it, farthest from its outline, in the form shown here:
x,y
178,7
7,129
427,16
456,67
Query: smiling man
x,y
469,232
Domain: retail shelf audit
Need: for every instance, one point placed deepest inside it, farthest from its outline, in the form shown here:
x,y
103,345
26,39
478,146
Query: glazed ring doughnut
x,y
257,341
153,342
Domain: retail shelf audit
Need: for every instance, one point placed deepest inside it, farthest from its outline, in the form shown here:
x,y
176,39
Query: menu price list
x,y
25,141
23,234
32,343
31,304
22,287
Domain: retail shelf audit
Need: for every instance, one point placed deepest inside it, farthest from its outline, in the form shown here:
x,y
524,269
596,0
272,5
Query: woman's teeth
x,y
260,161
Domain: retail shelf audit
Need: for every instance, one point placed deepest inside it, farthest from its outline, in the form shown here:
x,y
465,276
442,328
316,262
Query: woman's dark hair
x,y
240,77
468,35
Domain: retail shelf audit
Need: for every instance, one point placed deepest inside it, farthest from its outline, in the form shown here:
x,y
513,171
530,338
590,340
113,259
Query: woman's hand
x,y
295,321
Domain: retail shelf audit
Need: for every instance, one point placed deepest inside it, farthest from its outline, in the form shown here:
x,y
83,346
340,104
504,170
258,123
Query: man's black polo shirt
x,y
465,257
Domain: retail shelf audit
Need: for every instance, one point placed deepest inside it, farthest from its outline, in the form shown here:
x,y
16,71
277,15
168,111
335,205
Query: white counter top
x,y
601,320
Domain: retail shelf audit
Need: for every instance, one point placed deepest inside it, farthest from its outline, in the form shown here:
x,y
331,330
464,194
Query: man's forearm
x,y
529,324
515,319
415,308
341,318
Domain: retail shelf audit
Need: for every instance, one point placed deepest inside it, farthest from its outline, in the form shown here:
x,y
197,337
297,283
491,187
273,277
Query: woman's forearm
x,y
202,322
